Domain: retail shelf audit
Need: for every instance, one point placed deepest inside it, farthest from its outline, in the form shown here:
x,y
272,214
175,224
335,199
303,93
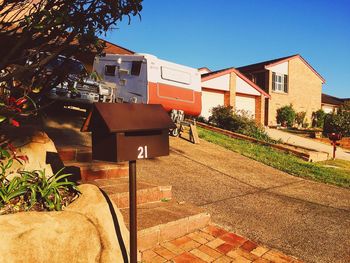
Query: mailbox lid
x,y
123,117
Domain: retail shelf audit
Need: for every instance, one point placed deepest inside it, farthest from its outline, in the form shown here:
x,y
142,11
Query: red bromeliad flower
x,y
14,123
11,148
14,153
23,158
20,101
16,104
12,100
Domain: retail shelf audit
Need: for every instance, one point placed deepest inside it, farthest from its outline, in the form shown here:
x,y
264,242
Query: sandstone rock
x,y
84,232
35,148
48,237
93,205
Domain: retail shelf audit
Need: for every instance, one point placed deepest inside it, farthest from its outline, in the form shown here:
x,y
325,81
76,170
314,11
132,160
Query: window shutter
x,y
273,81
285,83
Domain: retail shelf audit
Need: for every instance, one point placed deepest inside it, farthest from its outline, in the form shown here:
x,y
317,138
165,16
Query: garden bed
x,y
283,161
343,143
301,152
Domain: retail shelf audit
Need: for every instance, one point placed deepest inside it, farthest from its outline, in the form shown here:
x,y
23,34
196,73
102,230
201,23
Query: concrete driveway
x,y
308,143
302,218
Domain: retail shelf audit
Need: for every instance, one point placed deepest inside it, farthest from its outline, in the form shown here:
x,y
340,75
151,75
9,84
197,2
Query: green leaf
x,y
38,26
50,204
4,153
16,193
13,184
9,164
27,18
33,195
2,118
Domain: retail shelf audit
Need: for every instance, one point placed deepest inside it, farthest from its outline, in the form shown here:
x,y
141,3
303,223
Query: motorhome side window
x,y
110,70
136,68
175,75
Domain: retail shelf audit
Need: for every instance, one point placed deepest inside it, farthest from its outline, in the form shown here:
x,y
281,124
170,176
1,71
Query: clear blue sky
x,y
224,33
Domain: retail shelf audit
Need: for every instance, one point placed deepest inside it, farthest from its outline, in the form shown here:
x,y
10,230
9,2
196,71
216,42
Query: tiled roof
x,y
261,65
215,72
112,48
328,99
221,72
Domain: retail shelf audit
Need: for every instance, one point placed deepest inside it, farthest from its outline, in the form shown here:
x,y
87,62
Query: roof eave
x,y
221,73
216,75
302,59
251,83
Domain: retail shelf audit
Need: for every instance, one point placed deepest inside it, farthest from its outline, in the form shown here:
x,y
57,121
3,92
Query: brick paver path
x,y
213,244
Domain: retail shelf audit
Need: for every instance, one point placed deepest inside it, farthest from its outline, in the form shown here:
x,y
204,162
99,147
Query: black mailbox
x,y
335,136
124,132
128,132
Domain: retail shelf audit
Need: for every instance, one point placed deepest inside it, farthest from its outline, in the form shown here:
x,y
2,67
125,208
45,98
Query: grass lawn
x,y
339,176
342,164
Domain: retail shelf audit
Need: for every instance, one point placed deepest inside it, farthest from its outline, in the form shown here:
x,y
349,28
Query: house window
x,y
279,82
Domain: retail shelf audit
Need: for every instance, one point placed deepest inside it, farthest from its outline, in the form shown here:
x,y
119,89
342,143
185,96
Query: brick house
x,y
332,104
288,80
229,87
87,58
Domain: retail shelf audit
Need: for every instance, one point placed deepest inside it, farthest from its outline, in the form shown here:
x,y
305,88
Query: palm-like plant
x,y
12,189
33,189
48,190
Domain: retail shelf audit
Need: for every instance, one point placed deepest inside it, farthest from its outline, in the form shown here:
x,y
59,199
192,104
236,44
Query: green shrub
x,y
224,117
306,125
286,115
318,118
300,118
345,106
201,119
339,123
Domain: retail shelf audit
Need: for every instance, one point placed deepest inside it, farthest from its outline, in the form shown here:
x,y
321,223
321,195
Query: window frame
x,y
280,83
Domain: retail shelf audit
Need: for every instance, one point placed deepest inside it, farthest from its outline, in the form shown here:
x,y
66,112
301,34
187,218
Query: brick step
x,y
164,221
90,171
75,153
118,191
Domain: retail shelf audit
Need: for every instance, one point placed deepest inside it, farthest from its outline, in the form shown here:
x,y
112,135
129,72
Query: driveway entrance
x,y
302,218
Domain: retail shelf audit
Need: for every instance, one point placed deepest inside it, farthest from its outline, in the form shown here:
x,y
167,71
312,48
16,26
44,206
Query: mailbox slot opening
x,y
143,133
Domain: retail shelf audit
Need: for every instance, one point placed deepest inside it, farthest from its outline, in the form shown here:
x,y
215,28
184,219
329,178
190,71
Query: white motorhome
x,y
143,78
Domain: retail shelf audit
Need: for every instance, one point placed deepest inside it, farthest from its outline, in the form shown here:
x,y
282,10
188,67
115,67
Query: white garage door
x,y
246,104
210,100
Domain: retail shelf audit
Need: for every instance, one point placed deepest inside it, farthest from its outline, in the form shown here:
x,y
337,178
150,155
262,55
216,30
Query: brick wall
x,y
260,109
304,91
233,77
230,98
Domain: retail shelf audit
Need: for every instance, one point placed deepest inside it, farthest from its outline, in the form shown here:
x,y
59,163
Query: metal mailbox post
x,y
128,132
334,137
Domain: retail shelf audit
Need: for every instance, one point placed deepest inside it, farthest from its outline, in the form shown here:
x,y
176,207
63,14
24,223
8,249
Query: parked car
x,y
79,88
